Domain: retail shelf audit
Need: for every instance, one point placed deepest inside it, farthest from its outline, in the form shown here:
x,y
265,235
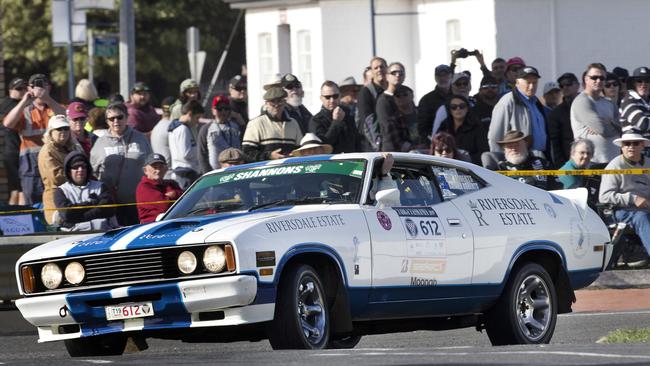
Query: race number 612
x,y
429,227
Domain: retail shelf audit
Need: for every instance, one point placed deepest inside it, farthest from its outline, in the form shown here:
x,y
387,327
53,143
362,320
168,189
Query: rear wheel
x,y
526,312
301,318
105,345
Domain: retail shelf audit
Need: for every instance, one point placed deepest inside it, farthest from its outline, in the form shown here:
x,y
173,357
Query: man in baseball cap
x,y
430,102
155,194
238,95
294,107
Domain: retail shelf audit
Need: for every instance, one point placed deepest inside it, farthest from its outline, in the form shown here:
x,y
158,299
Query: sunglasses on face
x,y
611,85
293,86
631,143
461,106
444,150
596,77
489,86
333,96
115,118
397,73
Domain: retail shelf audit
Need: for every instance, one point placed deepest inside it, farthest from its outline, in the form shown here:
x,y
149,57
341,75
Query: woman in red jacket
x,y
153,188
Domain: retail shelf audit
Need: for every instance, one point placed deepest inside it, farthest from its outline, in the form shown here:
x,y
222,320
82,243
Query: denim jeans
x,y
639,221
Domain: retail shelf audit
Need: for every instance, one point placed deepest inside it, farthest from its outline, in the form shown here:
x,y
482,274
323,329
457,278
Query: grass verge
x,y
637,335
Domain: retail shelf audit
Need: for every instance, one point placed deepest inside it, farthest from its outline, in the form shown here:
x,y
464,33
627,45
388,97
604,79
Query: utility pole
x,y
127,47
71,82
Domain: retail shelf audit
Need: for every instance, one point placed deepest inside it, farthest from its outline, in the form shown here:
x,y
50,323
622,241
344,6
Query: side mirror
x,y
159,217
387,197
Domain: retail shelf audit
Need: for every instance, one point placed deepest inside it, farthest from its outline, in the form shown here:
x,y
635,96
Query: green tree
x,y
161,56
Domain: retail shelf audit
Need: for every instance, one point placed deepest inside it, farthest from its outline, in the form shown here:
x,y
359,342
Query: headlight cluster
x,y
52,276
214,259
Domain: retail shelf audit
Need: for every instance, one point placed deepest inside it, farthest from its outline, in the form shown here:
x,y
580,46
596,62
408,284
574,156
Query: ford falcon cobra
x,y
315,252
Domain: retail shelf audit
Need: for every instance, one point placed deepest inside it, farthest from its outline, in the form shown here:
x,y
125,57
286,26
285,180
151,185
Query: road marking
x,y
557,353
610,313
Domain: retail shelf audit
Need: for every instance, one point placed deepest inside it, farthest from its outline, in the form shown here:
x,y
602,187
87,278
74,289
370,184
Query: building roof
x,y
251,4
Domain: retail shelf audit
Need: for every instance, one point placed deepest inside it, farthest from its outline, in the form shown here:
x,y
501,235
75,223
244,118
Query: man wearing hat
x,y
552,95
630,193
513,65
635,107
230,157
461,84
29,118
486,98
312,145
520,110
220,134
518,156
271,135
560,135
349,93
77,116
189,90
238,95
155,194
142,115
17,89
294,107
433,100
595,117
334,123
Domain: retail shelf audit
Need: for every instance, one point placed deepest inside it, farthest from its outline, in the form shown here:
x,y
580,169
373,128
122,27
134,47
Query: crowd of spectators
x,y
120,152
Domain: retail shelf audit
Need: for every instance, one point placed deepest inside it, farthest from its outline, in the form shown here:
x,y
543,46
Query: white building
x,y
322,40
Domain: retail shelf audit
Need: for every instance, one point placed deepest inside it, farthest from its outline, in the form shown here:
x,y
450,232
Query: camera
x,y
464,53
39,82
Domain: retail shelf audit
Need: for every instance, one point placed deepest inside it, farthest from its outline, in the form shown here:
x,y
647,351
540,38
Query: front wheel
x,y
526,312
301,318
105,345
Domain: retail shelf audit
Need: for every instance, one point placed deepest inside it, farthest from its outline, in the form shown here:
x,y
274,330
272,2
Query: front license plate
x,y
129,311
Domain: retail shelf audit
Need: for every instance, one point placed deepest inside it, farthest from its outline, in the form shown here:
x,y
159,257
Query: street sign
x,y
105,46
196,58
60,22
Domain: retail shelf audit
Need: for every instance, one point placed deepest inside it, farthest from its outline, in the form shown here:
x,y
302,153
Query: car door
x,y
418,246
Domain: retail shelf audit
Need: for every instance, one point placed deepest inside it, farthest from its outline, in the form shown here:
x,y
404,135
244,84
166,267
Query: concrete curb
x,y
619,279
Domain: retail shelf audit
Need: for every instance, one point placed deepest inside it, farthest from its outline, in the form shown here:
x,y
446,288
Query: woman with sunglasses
x,y
444,146
635,106
468,132
57,144
611,89
117,160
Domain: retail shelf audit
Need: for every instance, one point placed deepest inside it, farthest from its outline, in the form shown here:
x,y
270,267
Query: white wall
x,y
478,31
560,36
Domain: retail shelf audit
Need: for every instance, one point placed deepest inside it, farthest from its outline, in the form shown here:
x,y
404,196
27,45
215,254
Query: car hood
x,y
156,234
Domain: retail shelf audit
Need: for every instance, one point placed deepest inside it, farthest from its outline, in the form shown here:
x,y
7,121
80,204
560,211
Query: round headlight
x,y
186,262
74,273
214,259
51,276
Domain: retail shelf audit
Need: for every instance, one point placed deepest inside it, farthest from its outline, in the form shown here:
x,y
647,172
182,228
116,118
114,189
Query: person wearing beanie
x,y
81,190
58,143
85,93
189,90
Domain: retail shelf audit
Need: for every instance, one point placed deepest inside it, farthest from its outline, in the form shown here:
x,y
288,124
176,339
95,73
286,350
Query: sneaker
x,y
635,256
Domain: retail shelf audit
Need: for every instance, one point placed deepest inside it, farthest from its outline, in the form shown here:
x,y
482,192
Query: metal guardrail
x,y
11,248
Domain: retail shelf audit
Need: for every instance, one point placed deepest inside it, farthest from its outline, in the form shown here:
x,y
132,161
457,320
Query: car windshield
x,y
259,188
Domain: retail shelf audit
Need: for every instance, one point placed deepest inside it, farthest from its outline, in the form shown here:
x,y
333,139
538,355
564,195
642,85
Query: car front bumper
x,y
176,305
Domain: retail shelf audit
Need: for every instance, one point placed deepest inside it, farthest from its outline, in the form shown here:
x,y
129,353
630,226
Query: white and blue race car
x,y
314,252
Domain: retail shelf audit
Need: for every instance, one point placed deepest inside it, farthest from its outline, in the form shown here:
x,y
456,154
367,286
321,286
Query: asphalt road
x,y
573,344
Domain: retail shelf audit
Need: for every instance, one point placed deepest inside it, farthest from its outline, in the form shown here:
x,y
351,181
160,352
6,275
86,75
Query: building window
x,y
453,36
304,62
265,49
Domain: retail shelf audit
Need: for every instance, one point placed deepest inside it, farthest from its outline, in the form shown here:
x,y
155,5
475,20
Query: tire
x,y
106,345
526,312
348,342
301,318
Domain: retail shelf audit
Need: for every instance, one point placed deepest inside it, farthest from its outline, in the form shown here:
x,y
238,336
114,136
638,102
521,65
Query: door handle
x,y
453,222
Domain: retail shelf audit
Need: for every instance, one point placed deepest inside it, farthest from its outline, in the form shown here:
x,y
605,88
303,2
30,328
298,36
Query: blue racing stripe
x,y
169,311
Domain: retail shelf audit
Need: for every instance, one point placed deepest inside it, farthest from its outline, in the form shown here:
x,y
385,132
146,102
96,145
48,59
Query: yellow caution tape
x,y
84,207
519,173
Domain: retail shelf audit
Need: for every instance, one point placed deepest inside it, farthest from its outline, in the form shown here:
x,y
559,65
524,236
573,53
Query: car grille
x,y
124,267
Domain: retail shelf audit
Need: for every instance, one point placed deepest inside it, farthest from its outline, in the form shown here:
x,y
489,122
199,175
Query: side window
x,y
415,185
455,182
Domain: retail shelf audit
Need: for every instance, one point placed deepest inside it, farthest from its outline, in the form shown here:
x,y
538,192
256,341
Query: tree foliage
x,y
161,55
